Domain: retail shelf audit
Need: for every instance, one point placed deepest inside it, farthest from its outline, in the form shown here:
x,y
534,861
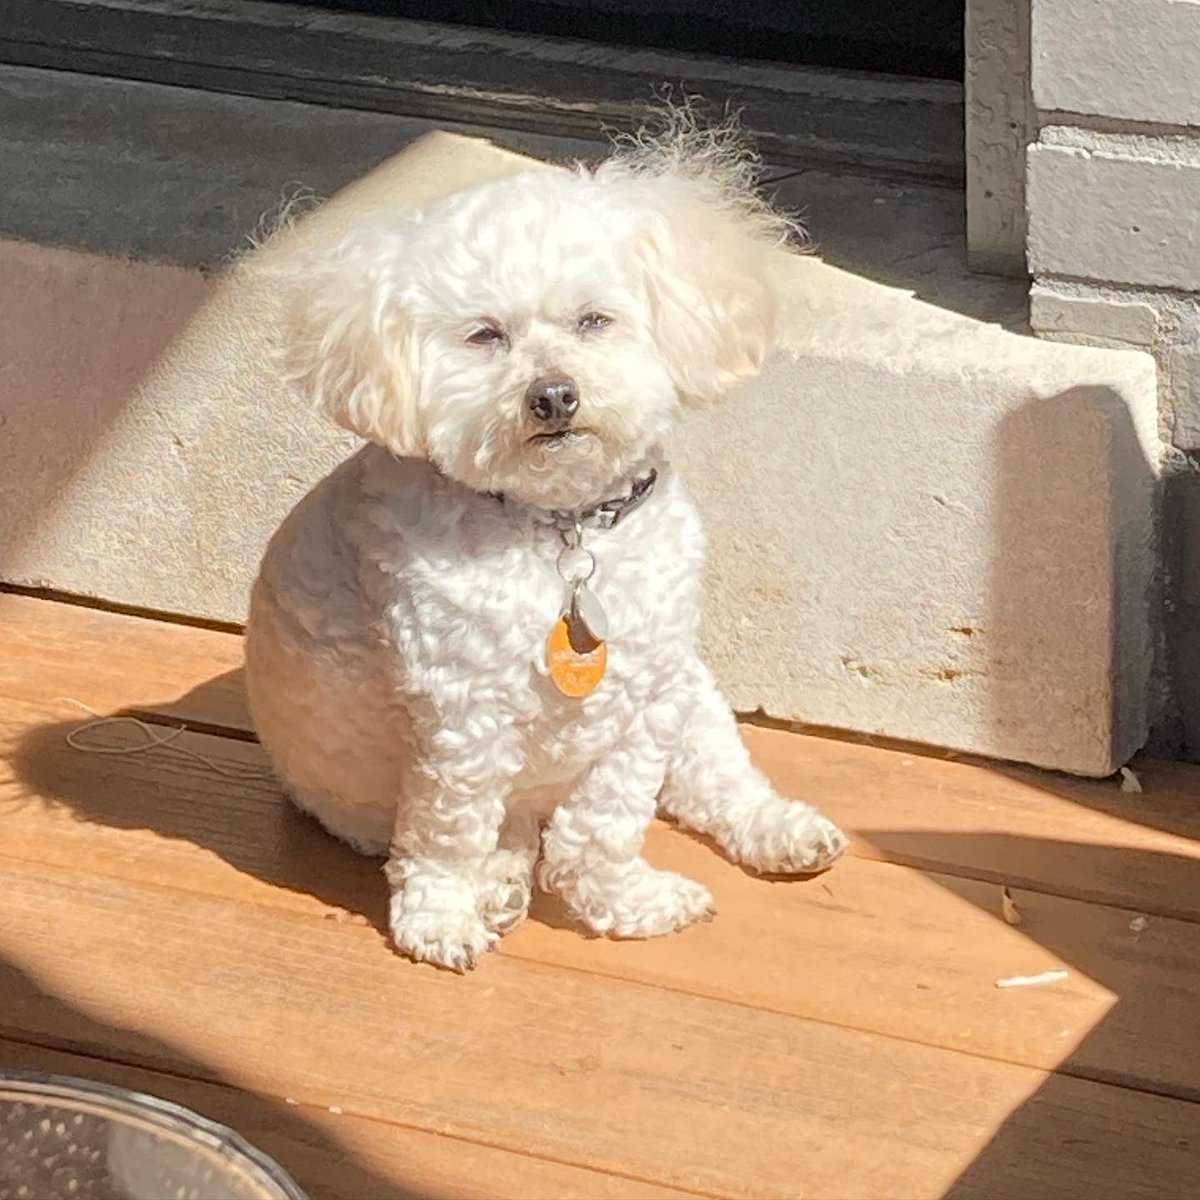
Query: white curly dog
x,y
515,356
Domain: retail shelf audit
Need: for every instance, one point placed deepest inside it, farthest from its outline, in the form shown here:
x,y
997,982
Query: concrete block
x,y
1135,59
927,527
998,122
1106,216
146,450
922,526
1079,314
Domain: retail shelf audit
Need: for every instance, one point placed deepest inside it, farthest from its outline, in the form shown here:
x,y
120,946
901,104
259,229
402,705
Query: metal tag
x,y
583,618
587,610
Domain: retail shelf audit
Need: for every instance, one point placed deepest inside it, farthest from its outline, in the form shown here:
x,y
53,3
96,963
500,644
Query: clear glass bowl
x,y
69,1139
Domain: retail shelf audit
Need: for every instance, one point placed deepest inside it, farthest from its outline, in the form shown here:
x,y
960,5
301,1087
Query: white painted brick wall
x,y
1132,59
1054,312
1111,217
1112,186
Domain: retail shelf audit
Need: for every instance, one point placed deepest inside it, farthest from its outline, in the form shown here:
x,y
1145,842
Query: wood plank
x,y
1093,841
1072,837
335,1156
165,819
610,1075
893,951
931,946
114,662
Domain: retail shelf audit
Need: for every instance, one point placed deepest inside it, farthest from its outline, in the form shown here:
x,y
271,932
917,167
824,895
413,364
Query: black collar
x,y
604,515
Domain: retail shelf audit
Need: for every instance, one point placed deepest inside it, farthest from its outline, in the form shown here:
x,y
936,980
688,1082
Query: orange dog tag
x,y
576,673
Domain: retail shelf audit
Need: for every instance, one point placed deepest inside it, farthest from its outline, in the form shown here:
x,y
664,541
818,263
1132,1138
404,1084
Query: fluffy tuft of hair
x,y
706,252
296,201
714,159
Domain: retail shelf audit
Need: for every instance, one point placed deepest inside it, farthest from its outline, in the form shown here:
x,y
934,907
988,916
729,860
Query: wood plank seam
x,y
191,725
858,847
1190,1095
154,615
981,874
1099,1077
17,1037
309,1109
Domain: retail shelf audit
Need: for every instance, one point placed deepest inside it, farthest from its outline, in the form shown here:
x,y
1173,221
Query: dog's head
x,y
538,335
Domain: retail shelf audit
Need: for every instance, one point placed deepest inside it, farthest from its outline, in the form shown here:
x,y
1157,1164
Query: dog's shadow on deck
x,y
225,802
245,820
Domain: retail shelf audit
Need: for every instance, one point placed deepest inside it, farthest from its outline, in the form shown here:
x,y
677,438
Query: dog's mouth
x,y
560,437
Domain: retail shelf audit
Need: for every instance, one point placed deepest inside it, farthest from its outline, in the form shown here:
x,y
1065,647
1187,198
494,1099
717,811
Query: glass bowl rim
x,y
170,1117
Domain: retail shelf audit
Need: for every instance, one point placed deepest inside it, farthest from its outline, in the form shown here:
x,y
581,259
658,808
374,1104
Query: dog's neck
x,y
604,514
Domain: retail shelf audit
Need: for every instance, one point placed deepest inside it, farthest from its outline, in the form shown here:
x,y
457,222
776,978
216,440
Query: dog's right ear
x,y
347,341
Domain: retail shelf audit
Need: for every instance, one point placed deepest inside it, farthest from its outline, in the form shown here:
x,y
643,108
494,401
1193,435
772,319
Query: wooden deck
x,y
182,931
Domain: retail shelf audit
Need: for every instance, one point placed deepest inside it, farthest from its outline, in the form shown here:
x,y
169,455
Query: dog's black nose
x,y
552,398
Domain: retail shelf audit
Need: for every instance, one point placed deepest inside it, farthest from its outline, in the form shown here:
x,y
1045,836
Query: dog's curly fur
x,y
396,646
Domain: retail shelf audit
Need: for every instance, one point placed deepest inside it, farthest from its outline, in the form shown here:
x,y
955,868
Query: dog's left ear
x,y
348,344
707,271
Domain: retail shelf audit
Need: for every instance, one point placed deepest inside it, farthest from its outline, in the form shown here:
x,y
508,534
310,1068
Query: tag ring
x,y
579,557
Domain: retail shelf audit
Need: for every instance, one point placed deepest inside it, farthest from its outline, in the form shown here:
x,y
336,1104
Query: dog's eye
x,y
593,321
487,335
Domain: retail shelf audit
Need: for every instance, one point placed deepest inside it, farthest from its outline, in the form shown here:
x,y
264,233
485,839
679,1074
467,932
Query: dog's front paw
x,y
455,940
636,900
787,837
434,913
666,901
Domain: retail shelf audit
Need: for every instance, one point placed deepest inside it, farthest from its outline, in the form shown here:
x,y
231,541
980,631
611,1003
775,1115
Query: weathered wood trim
x,y
798,116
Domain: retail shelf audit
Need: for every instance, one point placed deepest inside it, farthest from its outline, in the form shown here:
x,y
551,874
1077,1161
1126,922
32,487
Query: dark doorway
x,y
897,37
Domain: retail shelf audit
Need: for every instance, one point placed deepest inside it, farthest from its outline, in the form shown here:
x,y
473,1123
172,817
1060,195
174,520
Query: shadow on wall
x,y
1181,561
1072,497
